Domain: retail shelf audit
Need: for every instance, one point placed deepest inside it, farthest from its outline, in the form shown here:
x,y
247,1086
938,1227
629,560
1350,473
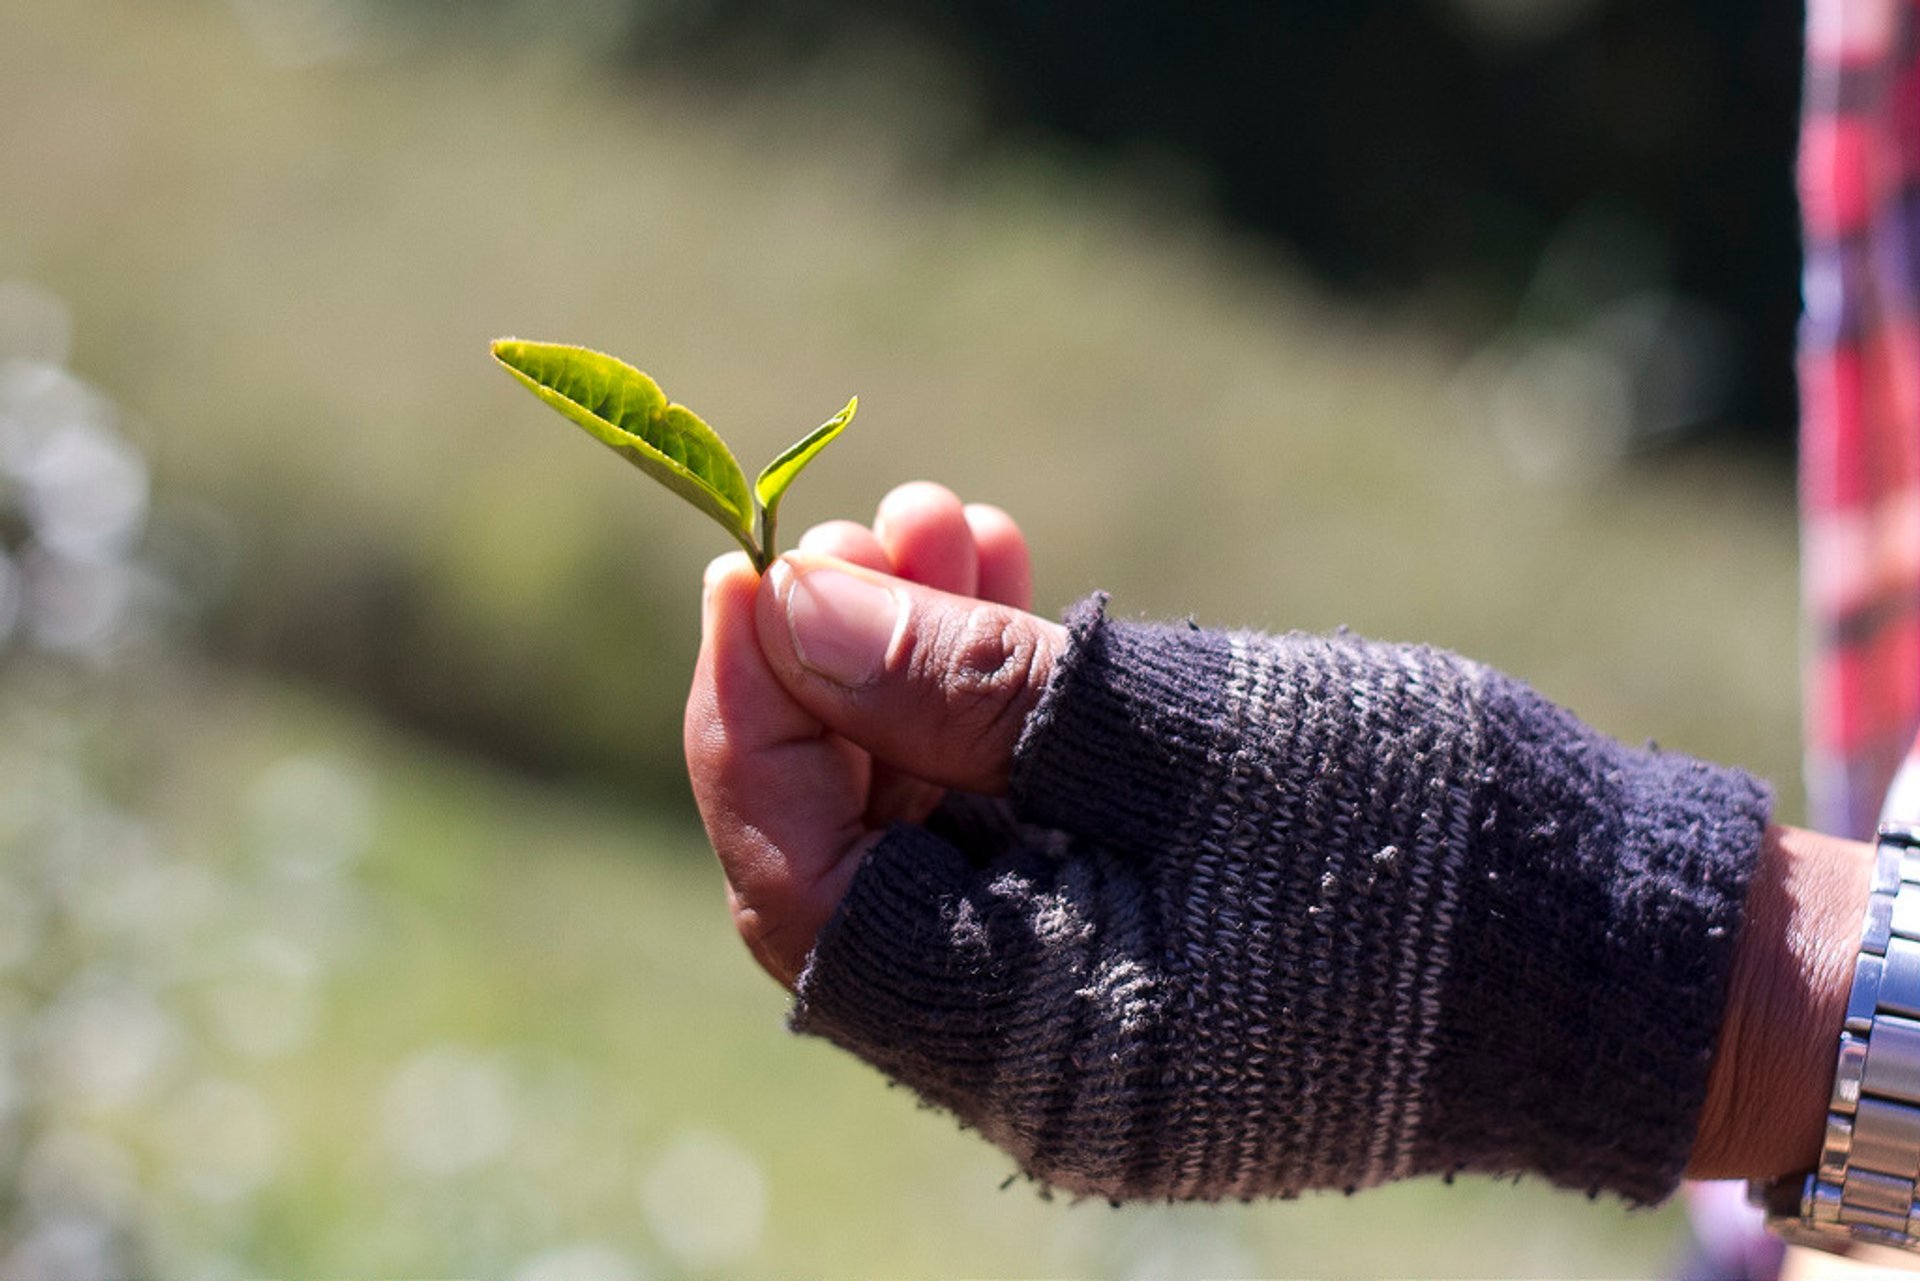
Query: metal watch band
x,y
1863,1189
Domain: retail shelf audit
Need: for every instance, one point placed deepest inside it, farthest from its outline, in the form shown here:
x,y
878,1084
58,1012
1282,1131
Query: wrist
x,y
1772,1073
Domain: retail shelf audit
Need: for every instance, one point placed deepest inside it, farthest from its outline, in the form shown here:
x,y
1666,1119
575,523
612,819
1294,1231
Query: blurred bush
x,y
282,992
1455,148
289,227
284,989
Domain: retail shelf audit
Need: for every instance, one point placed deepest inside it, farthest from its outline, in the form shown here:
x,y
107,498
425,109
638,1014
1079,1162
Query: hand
x,y
846,690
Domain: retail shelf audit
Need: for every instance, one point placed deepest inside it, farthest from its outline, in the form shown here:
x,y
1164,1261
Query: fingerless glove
x,y
1264,914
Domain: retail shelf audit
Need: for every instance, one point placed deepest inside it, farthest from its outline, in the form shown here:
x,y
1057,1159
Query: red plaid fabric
x,y
1860,405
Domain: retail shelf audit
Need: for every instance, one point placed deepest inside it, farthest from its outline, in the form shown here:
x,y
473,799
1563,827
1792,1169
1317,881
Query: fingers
x,y
929,537
924,530
782,799
849,541
892,795
933,683
1006,568
789,799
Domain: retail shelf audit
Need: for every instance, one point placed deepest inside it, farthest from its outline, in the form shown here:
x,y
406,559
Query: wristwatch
x,y
1863,1189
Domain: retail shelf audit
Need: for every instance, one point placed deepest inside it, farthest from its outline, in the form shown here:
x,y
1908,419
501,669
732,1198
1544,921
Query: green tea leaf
x,y
626,411
778,474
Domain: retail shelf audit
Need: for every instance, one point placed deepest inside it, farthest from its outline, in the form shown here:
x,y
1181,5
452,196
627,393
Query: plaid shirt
x,y
1860,408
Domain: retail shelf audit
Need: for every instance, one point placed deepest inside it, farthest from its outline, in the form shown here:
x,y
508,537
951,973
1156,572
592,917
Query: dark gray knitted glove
x,y
1269,914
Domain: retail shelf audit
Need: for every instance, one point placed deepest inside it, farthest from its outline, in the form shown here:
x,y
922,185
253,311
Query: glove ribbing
x,y
1265,914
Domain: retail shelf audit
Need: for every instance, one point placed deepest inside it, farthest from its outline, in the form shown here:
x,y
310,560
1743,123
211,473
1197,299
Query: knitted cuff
x,y
1297,912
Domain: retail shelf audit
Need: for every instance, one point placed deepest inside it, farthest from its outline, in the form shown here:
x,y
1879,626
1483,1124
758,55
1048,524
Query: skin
x,y
797,773
790,799
1766,1107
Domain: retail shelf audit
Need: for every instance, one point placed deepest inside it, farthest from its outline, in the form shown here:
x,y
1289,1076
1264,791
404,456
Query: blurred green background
x,y
353,916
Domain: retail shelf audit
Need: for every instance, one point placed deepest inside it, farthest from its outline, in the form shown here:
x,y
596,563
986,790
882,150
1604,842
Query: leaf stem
x,y
765,518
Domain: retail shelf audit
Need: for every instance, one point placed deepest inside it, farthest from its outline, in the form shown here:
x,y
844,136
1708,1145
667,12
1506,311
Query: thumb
x,y
931,683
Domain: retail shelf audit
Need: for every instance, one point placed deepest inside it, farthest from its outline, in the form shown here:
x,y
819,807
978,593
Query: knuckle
x,y
989,672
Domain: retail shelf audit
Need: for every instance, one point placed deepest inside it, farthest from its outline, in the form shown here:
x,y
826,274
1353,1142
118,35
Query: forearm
x,y
1314,913
1767,1093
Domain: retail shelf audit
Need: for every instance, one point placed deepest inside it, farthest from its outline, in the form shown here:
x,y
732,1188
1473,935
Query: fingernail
x,y
842,626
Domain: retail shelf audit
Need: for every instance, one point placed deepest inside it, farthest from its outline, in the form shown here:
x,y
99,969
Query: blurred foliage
x,y
288,258
285,987
1456,147
283,993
